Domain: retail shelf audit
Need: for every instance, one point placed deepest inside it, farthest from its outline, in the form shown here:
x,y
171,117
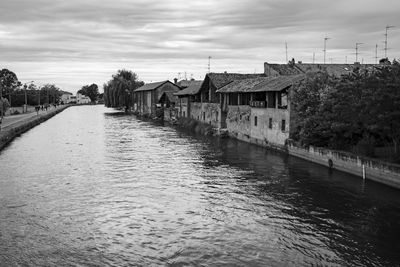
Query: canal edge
x,y
7,136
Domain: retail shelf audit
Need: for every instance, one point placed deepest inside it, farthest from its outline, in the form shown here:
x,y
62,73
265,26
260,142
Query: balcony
x,y
258,104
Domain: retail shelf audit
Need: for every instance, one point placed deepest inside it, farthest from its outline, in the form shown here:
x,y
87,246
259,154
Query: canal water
x,y
95,187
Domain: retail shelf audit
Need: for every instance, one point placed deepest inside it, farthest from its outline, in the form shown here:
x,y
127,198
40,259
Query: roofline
x,y
167,81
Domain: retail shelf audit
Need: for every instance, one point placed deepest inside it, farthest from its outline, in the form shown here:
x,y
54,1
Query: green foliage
x,y
8,82
91,91
355,112
50,93
4,105
118,92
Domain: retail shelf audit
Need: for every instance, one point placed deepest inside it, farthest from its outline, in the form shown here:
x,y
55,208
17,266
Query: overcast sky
x,y
72,43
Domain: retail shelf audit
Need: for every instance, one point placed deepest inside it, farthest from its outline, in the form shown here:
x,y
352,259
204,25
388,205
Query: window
x,y
270,123
255,120
184,114
283,126
204,116
216,116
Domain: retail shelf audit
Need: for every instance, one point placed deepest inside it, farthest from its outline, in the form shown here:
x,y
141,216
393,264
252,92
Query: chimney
x,y
175,80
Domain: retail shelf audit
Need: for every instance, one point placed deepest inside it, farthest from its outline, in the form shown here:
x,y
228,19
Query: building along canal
x,y
95,187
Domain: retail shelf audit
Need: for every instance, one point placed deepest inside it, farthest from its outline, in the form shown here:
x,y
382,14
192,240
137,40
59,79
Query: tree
x,y
8,83
50,93
118,92
4,105
308,96
356,112
91,91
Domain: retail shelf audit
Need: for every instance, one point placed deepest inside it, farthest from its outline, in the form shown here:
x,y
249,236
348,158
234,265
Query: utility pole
x,y
1,100
286,52
209,64
39,97
386,39
313,57
325,39
26,98
357,44
376,54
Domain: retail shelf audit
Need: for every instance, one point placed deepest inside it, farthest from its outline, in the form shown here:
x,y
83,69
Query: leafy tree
x,y
91,91
118,92
50,93
4,105
308,124
8,82
356,111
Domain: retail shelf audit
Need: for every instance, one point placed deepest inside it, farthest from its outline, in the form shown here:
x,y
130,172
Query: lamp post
x,y
39,96
26,99
1,107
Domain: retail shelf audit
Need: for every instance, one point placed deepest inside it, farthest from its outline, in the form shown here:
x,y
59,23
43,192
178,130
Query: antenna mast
x,y
357,44
286,52
386,39
325,39
376,54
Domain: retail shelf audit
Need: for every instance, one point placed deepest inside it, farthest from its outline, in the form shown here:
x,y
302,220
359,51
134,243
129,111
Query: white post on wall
x,y
363,169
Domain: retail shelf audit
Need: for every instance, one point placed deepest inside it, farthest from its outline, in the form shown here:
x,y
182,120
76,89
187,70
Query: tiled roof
x,y
261,84
150,86
192,89
171,96
332,69
187,83
221,79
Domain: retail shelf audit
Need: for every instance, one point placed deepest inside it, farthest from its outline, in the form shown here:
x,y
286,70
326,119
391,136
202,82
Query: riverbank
x,y
24,123
363,167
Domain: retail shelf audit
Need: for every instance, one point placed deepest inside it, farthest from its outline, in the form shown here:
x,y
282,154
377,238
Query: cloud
x,y
87,41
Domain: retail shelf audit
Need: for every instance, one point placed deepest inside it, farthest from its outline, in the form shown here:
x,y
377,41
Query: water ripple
x,y
93,187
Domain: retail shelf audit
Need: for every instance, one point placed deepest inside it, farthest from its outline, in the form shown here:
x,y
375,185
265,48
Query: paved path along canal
x,y
94,187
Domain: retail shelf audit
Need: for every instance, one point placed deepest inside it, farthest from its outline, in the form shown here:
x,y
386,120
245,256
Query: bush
x,y
365,146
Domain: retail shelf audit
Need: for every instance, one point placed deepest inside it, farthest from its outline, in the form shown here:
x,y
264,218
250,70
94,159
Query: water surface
x,y
95,187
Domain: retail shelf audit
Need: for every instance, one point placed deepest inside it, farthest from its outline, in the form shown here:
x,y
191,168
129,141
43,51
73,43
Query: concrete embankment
x,y
367,168
8,133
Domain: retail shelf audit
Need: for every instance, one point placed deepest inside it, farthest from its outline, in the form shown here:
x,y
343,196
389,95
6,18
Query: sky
x,y
74,43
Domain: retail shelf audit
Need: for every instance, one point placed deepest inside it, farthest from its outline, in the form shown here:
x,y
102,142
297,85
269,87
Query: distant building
x,y
82,99
202,103
258,109
68,98
185,97
147,98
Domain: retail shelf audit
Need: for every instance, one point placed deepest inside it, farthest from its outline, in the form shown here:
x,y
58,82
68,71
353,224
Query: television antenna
x,y
357,44
386,39
325,39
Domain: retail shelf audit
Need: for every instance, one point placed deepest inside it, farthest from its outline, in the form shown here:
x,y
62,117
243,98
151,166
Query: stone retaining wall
x,y
9,133
372,169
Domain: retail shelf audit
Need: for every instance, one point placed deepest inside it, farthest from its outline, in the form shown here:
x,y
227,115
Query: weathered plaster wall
x,y
238,122
170,114
262,130
209,113
241,124
183,107
378,171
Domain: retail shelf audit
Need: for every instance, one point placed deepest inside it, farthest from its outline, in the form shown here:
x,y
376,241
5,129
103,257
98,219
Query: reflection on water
x,y
95,187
